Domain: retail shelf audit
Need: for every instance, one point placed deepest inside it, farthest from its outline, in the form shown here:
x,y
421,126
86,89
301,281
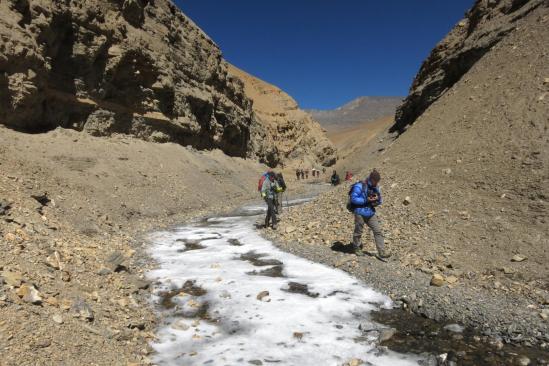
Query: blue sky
x,y
325,53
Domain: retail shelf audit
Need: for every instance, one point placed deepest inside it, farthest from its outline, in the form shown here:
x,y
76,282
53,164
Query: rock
x,y
454,328
523,361
447,171
451,279
54,260
116,262
290,229
386,334
29,293
437,280
57,318
544,314
180,325
13,279
5,206
263,296
518,258
82,310
407,201
354,362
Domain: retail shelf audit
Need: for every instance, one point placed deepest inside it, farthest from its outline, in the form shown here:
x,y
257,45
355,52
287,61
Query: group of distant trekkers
x,y
302,174
363,198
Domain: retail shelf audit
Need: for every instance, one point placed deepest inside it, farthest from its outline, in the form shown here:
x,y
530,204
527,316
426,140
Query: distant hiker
x,y
297,173
302,173
269,192
306,173
323,170
334,179
364,198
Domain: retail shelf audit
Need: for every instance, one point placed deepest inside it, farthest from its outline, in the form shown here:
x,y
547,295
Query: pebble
x,y
455,328
386,334
263,296
518,258
57,318
29,293
437,280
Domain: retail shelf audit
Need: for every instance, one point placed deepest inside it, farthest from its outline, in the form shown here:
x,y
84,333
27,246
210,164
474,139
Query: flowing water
x,y
230,297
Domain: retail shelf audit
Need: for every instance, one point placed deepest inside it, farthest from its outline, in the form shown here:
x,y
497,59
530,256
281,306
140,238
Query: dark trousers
x,y
271,212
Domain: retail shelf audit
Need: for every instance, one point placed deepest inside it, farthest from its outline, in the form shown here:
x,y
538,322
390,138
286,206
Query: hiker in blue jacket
x,y
365,197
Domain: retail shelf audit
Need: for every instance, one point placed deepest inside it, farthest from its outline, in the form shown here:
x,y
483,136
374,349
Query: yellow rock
x,y
437,280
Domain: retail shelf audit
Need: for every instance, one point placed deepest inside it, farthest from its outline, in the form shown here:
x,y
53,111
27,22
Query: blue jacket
x,y
359,199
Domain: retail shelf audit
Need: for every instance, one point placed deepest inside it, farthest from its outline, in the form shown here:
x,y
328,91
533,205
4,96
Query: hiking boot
x,y
274,227
359,252
383,256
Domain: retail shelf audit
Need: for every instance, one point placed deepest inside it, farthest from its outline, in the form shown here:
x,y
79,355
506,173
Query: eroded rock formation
x,y
484,26
284,132
137,67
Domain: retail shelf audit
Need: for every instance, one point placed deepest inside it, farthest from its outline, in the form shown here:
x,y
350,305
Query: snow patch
x,y
229,324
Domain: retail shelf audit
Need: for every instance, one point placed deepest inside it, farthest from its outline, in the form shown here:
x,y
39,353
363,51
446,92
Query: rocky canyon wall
x,y
136,67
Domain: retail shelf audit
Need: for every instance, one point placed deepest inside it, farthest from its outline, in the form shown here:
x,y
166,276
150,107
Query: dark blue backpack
x,y
350,206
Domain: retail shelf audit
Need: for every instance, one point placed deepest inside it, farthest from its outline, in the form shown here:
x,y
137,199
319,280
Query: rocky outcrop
x,y
484,26
282,131
136,67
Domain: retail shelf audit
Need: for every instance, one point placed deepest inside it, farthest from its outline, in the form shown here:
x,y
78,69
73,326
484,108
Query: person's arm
x,y
357,196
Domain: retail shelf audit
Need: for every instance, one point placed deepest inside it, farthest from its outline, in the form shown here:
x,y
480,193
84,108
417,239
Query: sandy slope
x,y
353,143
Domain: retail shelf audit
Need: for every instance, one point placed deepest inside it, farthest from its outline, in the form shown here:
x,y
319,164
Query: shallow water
x,y
236,299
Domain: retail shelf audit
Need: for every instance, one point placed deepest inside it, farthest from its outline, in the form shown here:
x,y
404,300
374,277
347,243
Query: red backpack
x,y
261,180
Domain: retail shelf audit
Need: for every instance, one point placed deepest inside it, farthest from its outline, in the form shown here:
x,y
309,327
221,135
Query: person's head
x,y
272,176
335,173
374,178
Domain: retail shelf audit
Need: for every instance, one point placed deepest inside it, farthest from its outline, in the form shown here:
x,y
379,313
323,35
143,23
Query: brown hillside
x,y
288,131
475,168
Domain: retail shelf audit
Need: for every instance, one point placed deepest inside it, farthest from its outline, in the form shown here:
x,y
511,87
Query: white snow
x,y
290,329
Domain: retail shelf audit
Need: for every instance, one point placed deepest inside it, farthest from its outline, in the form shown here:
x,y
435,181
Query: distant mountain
x,y
357,111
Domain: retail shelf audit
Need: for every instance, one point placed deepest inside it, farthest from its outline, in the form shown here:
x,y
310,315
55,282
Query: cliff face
x,y
136,67
484,26
128,66
283,132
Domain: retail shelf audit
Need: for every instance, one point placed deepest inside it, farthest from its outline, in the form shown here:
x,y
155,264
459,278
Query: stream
x,y
230,297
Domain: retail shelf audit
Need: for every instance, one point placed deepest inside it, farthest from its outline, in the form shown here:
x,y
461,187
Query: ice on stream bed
x,y
230,297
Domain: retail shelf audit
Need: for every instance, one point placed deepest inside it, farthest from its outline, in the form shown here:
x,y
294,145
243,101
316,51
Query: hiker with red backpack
x,y
364,197
269,192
